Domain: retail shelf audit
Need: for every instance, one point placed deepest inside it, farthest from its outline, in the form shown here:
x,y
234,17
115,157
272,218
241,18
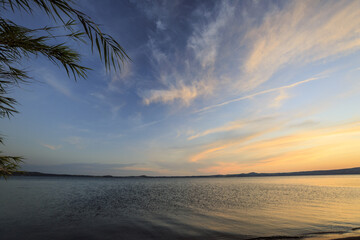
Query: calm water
x,y
197,208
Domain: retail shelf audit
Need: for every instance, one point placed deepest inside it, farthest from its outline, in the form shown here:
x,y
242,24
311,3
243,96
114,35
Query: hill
x,y
346,171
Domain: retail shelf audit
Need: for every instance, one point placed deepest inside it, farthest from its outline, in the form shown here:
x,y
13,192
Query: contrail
x,y
257,94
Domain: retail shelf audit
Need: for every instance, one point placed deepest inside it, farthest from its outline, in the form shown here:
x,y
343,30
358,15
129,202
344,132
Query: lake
x,y
320,207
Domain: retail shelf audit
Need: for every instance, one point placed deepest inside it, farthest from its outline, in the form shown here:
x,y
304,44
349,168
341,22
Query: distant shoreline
x,y
347,171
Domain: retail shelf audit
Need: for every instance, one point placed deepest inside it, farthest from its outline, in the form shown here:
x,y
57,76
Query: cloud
x,y
221,145
315,148
279,99
52,81
228,127
229,51
160,25
144,125
278,89
184,93
205,40
301,32
304,137
73,128
185,74
52,147
305,124
234,125
98,95
76,141
113,108
325,155
119,79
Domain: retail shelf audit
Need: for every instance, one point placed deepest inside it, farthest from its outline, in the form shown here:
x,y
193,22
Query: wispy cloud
x,y
228,127
114,108
296,34
280,98
259,93
119,79
76,141
303,137
75,128
185,93
189,73
231,126
221,145
204,77
205,40
149,124
52,81
52,147
302,32
322,146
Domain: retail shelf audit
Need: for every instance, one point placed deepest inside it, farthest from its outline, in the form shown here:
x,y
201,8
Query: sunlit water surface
x,y
178,208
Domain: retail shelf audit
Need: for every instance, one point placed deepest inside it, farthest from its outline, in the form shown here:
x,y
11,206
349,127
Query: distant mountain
x,y
303,173
252,174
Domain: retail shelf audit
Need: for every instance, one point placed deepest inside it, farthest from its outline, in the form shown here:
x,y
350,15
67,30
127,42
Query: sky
x,y
214,87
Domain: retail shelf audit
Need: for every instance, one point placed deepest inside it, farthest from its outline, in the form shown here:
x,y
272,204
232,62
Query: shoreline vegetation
x,y
346,171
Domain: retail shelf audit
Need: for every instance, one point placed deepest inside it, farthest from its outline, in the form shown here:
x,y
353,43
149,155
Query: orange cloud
x,y
203,154
302,138
336,146
212,149
300,34
340,154
330,156
228,127
52,147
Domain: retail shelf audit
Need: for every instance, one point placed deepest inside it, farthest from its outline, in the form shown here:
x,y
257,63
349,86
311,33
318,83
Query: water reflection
x,y
216,208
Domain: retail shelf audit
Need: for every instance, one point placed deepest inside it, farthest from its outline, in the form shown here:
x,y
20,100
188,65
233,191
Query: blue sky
x,y
213,87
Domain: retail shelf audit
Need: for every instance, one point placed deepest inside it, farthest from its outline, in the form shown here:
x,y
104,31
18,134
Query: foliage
x,y
18,43
9,165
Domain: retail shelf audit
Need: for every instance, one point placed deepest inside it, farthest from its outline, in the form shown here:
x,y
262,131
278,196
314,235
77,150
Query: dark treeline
x,y
346,171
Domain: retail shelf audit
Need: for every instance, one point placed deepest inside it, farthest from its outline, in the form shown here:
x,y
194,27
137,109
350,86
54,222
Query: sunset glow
x,y
214,87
